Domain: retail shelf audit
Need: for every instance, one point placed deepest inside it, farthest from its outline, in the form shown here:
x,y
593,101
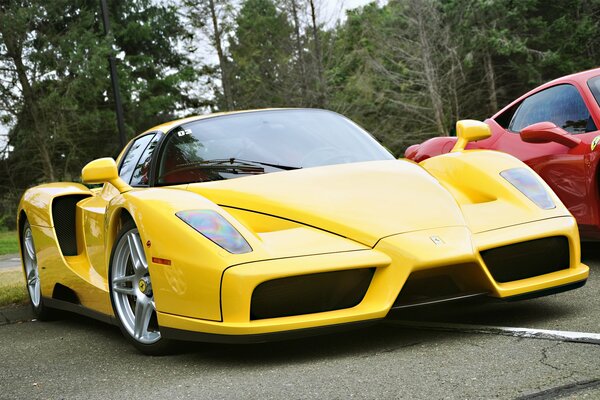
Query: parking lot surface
x,y
453,357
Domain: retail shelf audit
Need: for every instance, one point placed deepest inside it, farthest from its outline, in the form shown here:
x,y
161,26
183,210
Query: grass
x,y
12,288
9,242
12,282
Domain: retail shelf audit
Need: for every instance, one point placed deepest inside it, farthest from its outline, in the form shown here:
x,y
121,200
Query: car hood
x,y
361,201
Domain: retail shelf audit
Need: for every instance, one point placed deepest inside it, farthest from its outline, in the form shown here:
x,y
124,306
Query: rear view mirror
x,y
104,170
547,132
470,130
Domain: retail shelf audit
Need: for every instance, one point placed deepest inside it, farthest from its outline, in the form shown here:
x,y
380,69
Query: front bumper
x,y
451,252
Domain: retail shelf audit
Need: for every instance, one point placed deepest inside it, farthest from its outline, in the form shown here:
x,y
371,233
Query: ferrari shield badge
x,y
595,142
437,240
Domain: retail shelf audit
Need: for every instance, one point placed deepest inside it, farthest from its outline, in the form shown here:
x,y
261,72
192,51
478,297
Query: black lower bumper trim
x,y
78,309
191,336
546,292
441,300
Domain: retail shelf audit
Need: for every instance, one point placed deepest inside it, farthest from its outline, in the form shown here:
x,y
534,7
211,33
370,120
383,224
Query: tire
x,y
32,276
131,294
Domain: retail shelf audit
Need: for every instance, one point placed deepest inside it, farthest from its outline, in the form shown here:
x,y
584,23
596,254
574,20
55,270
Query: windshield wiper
x,y
237,168
238,161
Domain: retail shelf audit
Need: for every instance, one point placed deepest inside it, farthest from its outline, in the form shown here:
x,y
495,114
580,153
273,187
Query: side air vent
x,y
527,259
64,293
63,215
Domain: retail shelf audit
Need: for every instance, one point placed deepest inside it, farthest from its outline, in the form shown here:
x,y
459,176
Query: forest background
x,y
405,70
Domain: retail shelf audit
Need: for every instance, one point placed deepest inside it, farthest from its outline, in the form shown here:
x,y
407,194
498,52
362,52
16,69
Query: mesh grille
x,y
307,294
527,259
63,215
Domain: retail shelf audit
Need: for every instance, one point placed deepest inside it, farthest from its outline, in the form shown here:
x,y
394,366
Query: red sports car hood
x,y
362,201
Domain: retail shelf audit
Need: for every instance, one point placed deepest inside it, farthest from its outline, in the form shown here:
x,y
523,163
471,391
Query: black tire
x,y
32,276
133,301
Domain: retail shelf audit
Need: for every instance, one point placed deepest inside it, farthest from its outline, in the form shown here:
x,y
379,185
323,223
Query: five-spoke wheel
x,y
131,292
32,273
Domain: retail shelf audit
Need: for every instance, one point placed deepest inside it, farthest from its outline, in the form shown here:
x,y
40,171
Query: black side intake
x,y
63,215
313,293
527,259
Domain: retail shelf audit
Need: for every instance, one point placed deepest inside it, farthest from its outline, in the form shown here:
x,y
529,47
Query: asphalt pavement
x,y
10,261
78,358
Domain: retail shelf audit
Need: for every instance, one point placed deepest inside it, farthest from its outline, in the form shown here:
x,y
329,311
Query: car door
x,y
563,168
133,169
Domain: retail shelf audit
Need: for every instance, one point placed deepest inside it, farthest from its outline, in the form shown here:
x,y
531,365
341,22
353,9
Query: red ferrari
x,y
554,129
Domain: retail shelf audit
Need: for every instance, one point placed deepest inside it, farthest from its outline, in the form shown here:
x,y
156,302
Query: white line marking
x,y
563,336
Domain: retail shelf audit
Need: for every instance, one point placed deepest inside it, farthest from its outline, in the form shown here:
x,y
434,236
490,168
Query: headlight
x,y
217,229
529,184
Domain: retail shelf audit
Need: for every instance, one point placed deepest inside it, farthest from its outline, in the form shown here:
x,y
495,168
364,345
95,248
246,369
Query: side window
x,y
132,156
142,169
560,104
504,119
594,85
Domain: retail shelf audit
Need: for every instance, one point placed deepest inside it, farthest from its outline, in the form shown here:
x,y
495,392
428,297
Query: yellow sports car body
x,y
250,225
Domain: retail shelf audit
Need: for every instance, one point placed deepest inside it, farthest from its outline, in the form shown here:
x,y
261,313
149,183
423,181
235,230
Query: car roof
x,y
582,76
579,77
168,126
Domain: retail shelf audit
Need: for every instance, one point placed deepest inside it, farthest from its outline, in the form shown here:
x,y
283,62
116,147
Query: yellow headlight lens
x,y
217,229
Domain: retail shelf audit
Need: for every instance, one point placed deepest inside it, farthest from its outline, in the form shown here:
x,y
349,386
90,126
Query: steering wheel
x,y
199,173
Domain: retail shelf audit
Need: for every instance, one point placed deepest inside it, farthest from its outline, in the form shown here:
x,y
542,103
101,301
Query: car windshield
x,y
594,85
248,143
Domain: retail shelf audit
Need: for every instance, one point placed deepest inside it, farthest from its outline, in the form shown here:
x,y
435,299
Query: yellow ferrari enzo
x,y
252,225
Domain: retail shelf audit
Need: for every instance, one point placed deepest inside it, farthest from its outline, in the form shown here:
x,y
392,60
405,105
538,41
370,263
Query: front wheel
x,y
131,293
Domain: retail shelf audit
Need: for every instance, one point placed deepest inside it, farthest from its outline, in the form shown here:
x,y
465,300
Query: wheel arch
x,y
430,148
595,193
116,220
21,218
37,201
166,237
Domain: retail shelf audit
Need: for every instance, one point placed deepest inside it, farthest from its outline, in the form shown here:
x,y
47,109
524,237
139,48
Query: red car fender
x,y
430,148
444,144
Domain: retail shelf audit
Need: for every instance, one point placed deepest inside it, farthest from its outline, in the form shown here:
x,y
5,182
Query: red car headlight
x,y
217,229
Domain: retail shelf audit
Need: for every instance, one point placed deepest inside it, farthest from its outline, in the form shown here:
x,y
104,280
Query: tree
x,y
300,46
16,21
318,55
397,69
213,19
492,36
357,87
55,85
261,52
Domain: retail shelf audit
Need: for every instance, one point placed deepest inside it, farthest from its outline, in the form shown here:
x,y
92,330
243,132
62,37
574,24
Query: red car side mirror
x,y
546,132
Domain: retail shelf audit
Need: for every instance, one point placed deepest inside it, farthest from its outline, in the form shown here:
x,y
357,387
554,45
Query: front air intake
x,y
307,294
527,259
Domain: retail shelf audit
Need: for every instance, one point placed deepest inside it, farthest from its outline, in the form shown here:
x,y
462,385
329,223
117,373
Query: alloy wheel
x,y
131,289
31,267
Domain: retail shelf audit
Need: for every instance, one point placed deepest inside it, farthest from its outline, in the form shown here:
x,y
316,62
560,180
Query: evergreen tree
x,y
406,70
261,56
56,86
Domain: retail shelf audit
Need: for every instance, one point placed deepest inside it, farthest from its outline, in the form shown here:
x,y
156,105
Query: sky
x,y
335,9
330,10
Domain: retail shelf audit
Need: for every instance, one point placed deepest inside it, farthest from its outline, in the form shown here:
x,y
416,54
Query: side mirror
x,y
546,132
104,170
469,130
